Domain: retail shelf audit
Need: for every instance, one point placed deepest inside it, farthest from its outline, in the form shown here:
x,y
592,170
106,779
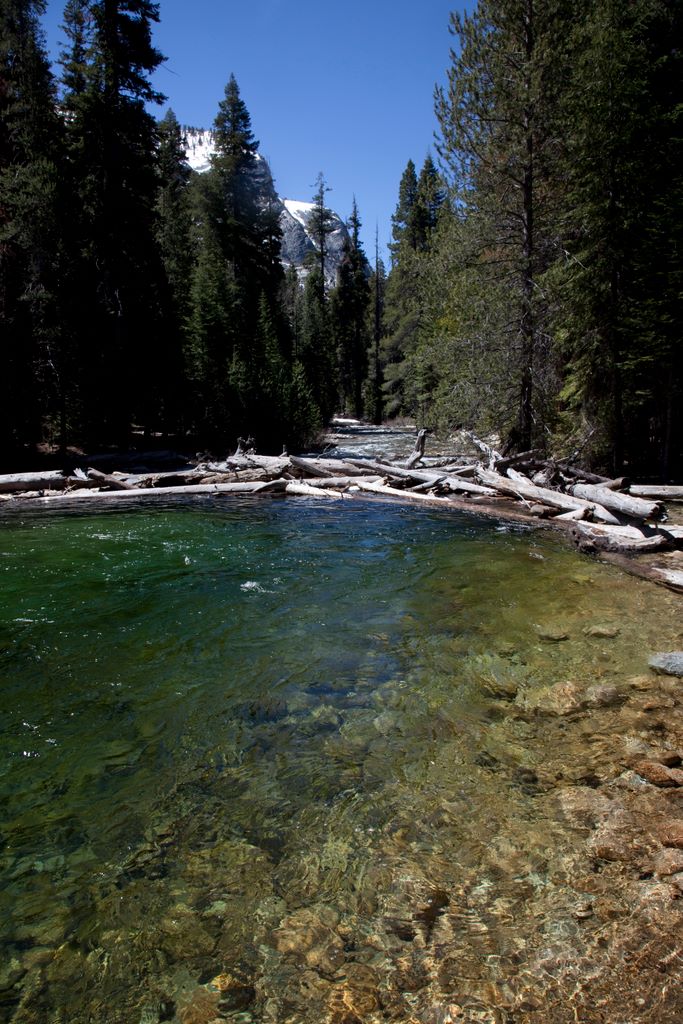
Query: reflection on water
x,y
272,762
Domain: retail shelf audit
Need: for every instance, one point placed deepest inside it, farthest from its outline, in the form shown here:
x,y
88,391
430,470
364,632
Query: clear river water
x,y
276,761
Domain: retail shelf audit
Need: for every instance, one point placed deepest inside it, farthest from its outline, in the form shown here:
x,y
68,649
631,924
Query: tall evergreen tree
x,y
238,270
419,206
116,273
403,225
498,136
316,350
618,315
175,241
374,403
349,306
30,239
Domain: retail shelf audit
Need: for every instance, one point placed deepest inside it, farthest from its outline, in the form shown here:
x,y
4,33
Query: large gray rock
x,y
668,663
294,215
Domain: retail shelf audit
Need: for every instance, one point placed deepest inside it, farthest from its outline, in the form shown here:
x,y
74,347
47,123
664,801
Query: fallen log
x,y
521,487
618,538
107,480
658,492
145,493
324,467
305,490
273,464
514,460
575,516
672,577
673,532
625,504
394,492
52,480
423,476
579,474
341,482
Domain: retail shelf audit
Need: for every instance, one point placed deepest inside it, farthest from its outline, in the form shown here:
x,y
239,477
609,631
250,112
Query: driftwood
x,y
305,490
419,450
110,481
144,493
579,474
520,486
491,454
575,516
324,467
515,460
657,492
53,480
422,476
342,482
626,504
618,538
394,492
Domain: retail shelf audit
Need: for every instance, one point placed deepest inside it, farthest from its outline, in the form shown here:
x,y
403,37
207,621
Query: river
x,y
275,761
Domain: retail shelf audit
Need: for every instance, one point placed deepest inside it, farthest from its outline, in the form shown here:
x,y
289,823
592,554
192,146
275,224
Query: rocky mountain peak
x,y
294,214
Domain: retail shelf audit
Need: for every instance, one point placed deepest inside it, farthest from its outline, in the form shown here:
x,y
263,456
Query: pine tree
x,y
316,350
349,305
374,403
320,225
403,225
498,134
116,270
238,269
419,207
618,315
174,238
30,238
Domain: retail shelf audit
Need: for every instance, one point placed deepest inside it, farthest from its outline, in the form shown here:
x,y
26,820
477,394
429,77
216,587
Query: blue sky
x,y
340,87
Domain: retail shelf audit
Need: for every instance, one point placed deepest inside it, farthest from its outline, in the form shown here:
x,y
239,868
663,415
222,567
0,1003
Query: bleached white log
x,y
52,480
620,538
424,476
341,482
626,504
114,483
394,492
522,487
658,492
574,516
306,490
145,493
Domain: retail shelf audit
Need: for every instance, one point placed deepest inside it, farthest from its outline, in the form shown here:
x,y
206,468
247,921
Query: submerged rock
x,y
659,774
602,631
603,695
309,936
668,663
668,862
560,699
552,633
671,834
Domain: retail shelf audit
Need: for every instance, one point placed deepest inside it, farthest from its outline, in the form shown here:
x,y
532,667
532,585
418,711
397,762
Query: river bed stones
x,y
668,663
658,774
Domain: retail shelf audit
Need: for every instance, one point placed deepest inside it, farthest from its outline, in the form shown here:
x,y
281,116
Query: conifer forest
x,y
534,288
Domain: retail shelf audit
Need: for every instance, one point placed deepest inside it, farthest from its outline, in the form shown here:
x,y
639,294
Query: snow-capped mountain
x,y
294,214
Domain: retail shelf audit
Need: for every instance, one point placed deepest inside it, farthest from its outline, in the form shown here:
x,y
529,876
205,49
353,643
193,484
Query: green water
x,y
288,747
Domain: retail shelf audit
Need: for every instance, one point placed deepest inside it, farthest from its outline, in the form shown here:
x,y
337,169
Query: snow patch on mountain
x,y
300,211
199,147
